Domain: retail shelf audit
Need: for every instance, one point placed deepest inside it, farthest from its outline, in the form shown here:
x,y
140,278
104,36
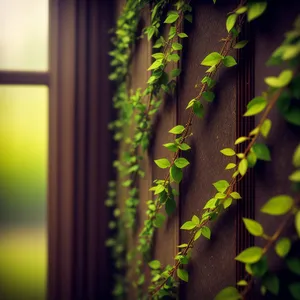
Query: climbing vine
x,y
136,109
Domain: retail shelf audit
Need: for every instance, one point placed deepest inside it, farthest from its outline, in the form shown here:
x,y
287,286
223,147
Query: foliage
x,y
137,108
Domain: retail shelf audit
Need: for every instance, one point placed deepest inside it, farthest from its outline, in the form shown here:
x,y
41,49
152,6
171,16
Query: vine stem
x,y
190,244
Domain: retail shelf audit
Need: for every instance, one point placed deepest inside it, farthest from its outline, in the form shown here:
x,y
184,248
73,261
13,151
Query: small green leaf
x,y
250,255
177,129
255,10
240,45
228,152
184,147
253,227
181,162
155,65
229,293
295,176
212,59
243,166
208,96
227,202
172,17
198,109
251,158
221,185
235,195
211,203
170,206
262,151
266,127
297,222
255,106
241,140
293,264
176,174
154,264
173,57
282,80
183,274
195,220
241,10
271,282
159,220
158,55
182,246
175,72
176,46
278,205
189,18
159,189
283,247
296,157
230,22
182,35
197,235
171,146
229,61
242,283
230,166
189,225
206,232
191,103
163,163
294,289
240,155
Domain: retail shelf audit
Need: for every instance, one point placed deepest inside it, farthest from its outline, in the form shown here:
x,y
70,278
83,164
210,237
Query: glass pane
x,y
24,35
23,191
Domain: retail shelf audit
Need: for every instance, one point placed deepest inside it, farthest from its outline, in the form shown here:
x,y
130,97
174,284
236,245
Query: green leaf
x,y
183,274
240,155
197,235
159,189
229,61
235,195
227,202
172,17
228,152
212,59
181,162
278,205
173,57
195,220
177,129
241,140
255,106
155,65
170,206
176,173
266,127
250,255
243,166
230,166
251,158
184,147
208,96
297,222
295,176
230,22
259,268
242,283
198,109
240,45
283,247
296,157
176,46
211,203
253,227
159,220
182,35
171,146
282,80
271,282
175,72
294,289
189,18
241,10
205,231
191,103
293,264
229,293
255,10
158,55
189,225
163,163
261,151
182,246
221,185
154,264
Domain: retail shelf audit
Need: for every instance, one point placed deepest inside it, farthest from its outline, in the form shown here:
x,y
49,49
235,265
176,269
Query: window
x,y
23,148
